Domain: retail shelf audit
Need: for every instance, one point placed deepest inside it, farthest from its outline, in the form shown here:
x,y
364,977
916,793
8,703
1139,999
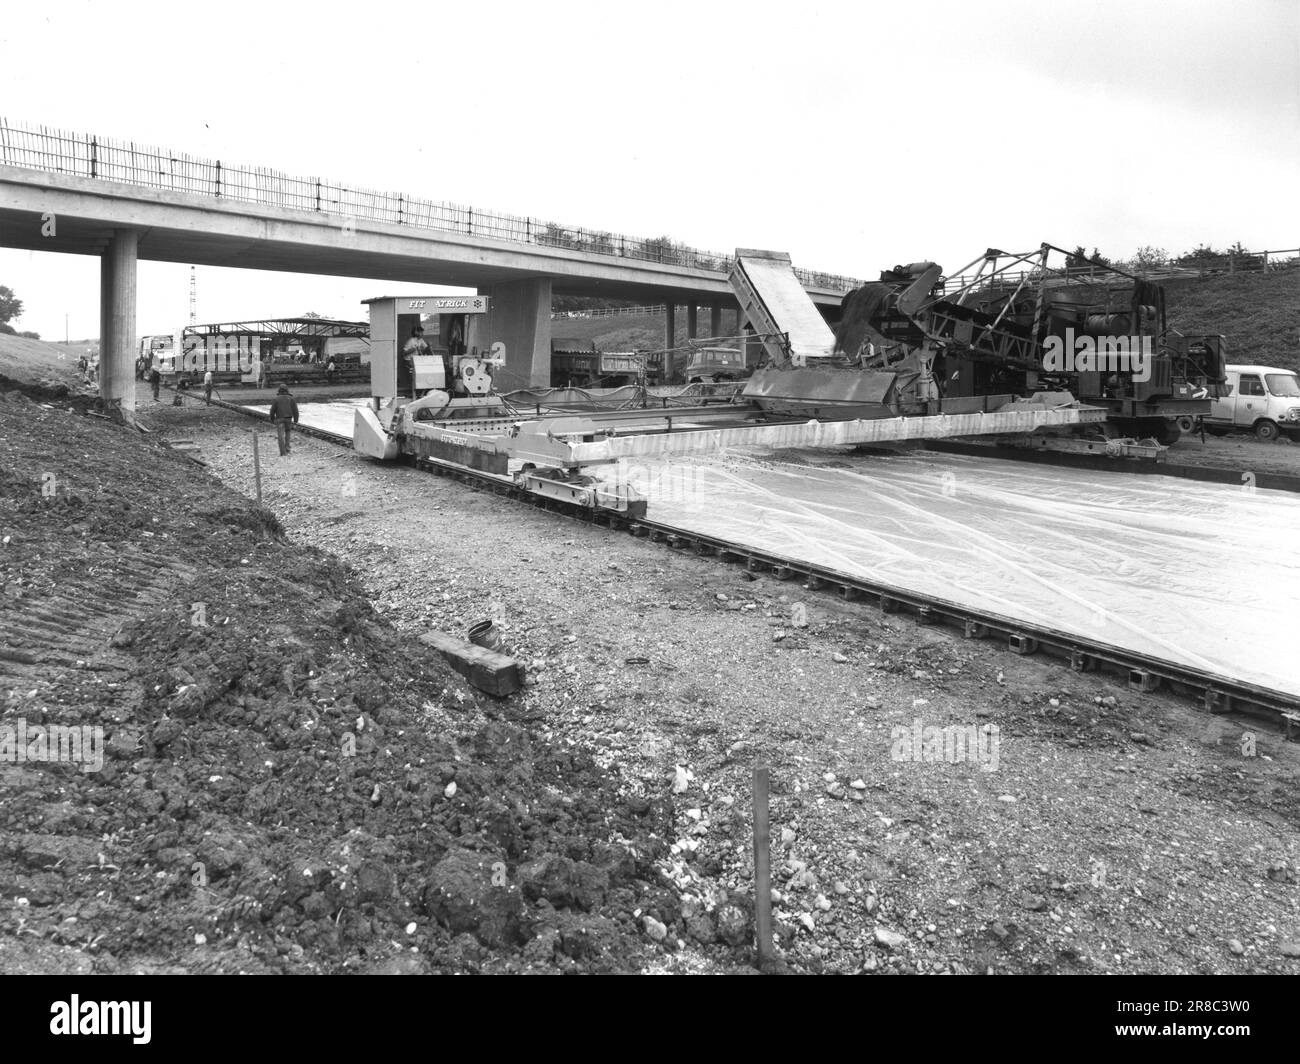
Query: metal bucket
x,y
486,635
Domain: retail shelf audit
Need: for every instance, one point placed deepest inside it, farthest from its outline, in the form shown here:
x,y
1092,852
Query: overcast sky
x,y
853,135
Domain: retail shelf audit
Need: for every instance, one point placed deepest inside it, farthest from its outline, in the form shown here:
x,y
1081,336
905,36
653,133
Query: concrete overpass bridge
x,y
85,195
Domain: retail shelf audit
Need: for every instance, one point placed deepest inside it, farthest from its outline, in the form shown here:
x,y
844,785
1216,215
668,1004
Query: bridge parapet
x,y
100,158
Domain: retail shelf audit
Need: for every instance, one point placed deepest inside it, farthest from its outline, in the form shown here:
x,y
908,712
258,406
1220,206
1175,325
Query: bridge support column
x,y
715,319
692,320
519,315
117,286
670,338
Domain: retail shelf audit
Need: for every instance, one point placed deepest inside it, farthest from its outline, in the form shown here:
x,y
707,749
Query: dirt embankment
x,y
288,783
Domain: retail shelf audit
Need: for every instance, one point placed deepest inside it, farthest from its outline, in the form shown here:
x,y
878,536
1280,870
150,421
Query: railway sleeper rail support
x,y
1019,643
1142,680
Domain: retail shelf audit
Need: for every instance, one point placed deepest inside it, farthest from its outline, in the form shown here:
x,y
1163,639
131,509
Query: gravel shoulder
x,y
1240,451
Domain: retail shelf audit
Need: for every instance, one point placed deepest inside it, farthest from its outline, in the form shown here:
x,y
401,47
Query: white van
x,y
1260,399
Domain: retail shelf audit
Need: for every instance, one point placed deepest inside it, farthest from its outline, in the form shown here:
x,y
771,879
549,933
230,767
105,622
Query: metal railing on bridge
x,y
610,312
55,151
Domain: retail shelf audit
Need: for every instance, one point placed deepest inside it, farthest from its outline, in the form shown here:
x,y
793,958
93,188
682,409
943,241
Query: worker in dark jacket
x,y
155,379
284,411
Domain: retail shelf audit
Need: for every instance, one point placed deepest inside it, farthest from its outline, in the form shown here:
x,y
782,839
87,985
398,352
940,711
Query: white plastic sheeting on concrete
x,y
1203,575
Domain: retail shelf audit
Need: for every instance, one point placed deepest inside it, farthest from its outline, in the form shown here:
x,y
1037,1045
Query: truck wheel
x,y
1167,432
1186,424
1265,431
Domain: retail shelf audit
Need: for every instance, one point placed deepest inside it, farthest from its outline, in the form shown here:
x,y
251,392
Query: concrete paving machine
x,y
431,405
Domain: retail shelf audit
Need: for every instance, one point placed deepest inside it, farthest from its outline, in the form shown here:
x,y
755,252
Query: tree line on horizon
x,y
1154,258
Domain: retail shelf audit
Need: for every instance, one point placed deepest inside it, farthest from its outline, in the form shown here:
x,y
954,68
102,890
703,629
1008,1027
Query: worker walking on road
x,y
284,412
207,387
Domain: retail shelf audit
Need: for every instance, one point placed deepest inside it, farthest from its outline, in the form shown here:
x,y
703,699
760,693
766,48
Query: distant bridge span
x,y
85,195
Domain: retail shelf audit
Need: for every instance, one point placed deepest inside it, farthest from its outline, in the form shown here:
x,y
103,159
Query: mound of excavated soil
x,y
287,782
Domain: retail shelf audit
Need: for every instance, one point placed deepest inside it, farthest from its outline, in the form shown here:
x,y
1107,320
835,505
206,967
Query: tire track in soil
x,y
74,624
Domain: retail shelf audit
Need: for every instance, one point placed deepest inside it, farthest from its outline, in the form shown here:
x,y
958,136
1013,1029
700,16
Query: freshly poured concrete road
x,y
1201,575
336,416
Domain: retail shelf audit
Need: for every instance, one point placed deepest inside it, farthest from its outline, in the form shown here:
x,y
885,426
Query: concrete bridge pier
x,y
117,287
692,321
715,319
670,337
519,315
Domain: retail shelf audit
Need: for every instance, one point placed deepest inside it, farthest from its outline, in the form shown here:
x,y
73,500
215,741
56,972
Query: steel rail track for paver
x,y
1143,672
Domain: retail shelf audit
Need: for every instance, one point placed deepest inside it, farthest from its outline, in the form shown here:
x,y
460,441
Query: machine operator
x,y
416,345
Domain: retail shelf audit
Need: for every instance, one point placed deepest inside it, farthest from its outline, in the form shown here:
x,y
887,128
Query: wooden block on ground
x,y
487,670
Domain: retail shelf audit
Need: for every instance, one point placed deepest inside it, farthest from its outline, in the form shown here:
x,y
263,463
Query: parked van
x,y
1260,399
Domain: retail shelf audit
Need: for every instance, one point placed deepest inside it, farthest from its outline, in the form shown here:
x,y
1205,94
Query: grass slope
x,y
632,332
33,359
1259,314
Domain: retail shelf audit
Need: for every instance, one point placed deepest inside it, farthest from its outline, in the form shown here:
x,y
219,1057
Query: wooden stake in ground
x,y
257,470
762,868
